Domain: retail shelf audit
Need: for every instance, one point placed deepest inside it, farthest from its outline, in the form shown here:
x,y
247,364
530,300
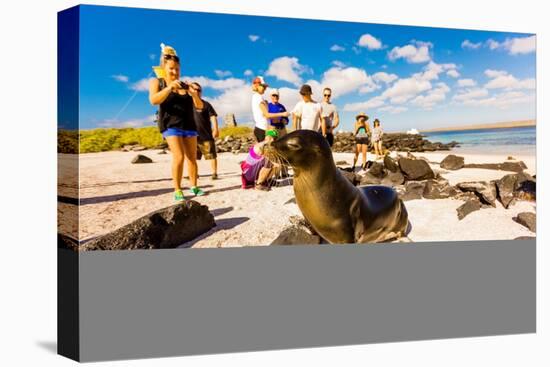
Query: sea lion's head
x,y
300,149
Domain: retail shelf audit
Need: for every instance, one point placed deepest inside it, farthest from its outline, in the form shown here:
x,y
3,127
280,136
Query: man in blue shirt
x,y
277,123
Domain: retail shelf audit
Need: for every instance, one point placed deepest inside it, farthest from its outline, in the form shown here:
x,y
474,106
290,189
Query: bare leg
x,y
214,164
264,175
190,150
364,148
357,149
175,143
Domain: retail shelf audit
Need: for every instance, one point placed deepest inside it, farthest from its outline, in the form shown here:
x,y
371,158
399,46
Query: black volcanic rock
x,y
516,186
413,190
467,208
164,228
528,220
141,159
486,191
296,236
452,162
390,164
415,169
518,166
434,189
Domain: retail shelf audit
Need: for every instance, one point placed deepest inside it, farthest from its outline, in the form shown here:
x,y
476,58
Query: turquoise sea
x,y
517,140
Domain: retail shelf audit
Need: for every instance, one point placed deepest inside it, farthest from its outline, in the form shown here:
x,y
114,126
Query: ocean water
x,y
517,140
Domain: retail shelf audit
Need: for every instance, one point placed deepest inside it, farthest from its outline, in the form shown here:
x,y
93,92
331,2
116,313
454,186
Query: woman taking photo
x,y
362,136
176,120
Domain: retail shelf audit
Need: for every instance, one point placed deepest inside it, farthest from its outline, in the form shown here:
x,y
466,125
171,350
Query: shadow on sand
x,y
127,195
221,224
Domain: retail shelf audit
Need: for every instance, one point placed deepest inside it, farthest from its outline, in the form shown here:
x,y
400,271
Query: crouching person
x,y
257,170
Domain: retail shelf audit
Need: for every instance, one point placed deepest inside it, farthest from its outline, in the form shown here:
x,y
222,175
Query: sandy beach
x,y
115,192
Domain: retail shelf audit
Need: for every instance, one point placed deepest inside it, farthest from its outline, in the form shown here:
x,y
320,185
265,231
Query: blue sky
x,y
408,77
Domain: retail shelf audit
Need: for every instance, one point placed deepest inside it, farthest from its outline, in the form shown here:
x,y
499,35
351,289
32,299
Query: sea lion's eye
x,y
294,146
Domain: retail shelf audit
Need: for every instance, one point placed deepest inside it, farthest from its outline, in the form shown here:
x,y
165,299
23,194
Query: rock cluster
x,y
413,179
345,142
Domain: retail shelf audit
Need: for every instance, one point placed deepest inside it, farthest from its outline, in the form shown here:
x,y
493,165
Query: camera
x,y
184,85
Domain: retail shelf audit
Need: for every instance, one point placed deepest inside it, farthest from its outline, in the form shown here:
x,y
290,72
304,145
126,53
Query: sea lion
x,y
337,210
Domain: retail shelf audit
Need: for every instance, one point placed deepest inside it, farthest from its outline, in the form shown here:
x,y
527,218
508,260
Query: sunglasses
x,y
327,95
171,57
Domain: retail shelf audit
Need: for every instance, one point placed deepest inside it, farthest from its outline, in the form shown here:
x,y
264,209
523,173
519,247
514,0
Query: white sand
x,y
115,192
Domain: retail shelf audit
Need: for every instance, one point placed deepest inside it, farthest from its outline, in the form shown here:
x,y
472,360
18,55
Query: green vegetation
x,y
100,140
67,141
236,131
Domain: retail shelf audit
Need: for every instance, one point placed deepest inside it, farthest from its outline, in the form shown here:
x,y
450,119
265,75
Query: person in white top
x,y
306,114
330,115
259,109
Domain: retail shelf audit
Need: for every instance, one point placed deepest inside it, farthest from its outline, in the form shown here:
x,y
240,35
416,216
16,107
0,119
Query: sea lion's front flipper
x,y
358,222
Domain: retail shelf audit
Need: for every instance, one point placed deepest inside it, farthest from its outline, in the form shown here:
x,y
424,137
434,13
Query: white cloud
x,y
370,42
494,73
430,99
288,69
432,70
393,110
339,64
503,100
523,45
510,82
514,46
501,79
222,73
139,122
248,72
346,80
405,89
471,94
363,106
120,78
492,44
466,83
413,54
453,73
471,45
253,37
337,48
384,77
141,85
234,100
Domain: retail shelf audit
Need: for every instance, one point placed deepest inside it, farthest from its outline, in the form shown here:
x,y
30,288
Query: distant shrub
x,y
67,141
101,140
235,131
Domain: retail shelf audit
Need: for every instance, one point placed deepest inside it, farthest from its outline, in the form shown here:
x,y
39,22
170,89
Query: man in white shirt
x,y
306,114
260,110
330,115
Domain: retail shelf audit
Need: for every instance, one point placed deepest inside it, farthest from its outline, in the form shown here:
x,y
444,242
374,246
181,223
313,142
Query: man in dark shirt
x,y
207,127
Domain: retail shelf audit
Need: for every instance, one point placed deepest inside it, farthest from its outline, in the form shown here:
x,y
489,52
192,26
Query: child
x,y
256,169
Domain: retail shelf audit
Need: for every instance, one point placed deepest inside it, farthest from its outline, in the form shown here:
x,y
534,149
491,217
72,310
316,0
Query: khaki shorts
x,y
206,148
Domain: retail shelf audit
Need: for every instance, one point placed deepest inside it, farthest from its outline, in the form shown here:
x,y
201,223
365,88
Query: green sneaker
x,y
178,195
197,191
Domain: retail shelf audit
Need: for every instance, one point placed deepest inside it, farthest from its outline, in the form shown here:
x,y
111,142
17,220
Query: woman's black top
x,y
176,111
